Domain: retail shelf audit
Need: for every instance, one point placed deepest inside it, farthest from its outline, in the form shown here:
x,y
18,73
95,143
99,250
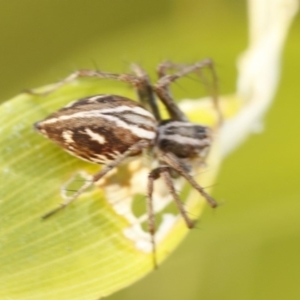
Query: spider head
x,y
184,139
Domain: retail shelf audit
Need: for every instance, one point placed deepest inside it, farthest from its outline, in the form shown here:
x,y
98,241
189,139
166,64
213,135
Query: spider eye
x,y
200,130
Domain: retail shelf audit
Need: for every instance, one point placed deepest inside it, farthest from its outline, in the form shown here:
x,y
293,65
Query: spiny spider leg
x,y
213,90
128,78
164,171
139,146
165,66
174,110
171,160
162,86
140,81
145,92
168,180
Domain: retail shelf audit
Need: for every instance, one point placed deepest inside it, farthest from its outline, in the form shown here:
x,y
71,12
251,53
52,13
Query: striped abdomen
x,y
99,128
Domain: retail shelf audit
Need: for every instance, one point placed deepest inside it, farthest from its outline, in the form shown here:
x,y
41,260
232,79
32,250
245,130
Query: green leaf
x,y
97,245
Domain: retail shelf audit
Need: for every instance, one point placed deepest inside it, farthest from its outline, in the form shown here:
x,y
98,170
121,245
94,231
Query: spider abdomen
x,y
99,128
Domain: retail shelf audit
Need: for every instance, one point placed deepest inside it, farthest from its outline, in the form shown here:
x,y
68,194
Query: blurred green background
x,y
250,247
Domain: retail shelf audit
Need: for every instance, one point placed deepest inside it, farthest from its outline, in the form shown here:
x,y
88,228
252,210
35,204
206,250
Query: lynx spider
x,y
175,141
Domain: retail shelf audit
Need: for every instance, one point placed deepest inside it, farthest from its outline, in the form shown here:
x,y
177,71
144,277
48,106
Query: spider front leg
x,y
172,161
162,86
162,90
145,92
163,171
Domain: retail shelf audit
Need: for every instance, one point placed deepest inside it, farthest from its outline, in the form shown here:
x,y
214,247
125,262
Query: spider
x,y
108,129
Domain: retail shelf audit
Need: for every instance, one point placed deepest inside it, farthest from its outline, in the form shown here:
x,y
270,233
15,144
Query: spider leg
x,y
153,175
174,163
142,144
128,78
168,180
163,171
162,86
145,92
164,92
140,81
